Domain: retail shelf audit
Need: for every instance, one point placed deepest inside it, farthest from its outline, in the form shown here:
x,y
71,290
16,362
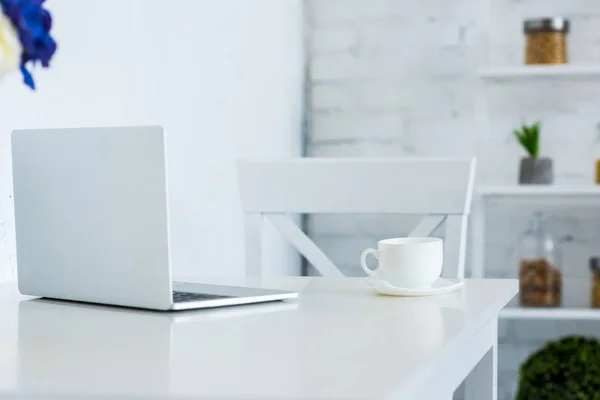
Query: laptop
x,y
92,221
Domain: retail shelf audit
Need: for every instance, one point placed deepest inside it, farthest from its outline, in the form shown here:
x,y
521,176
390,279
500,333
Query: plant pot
x,y
536,171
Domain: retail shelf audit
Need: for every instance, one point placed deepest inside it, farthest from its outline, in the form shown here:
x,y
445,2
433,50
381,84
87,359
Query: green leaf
x,y
529,138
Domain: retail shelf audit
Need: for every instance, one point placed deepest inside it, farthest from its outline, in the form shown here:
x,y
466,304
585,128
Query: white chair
x,y
439,189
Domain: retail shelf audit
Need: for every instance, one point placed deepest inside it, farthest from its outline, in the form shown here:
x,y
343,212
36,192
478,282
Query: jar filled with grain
x,y
546,40
540,276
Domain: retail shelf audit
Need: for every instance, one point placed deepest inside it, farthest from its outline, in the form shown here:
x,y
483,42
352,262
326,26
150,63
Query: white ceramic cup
x,y
410,262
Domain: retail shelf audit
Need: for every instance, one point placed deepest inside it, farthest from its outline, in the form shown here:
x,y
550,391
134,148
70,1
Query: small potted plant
x,y
533,169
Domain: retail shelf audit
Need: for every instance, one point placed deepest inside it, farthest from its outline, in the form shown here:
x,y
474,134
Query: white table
x,y
338,341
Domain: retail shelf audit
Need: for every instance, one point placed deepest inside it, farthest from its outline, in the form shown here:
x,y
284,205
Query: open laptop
x,y
92,224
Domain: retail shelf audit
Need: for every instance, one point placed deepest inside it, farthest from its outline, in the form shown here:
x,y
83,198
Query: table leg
x,y
482,383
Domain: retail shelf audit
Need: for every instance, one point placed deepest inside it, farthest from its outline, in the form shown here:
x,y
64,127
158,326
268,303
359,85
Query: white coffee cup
x,y
410,262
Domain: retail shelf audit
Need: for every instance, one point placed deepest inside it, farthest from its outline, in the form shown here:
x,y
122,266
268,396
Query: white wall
x,y
224,77
399,78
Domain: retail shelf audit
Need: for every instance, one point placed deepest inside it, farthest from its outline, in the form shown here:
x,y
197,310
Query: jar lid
x,y
595,264
556,24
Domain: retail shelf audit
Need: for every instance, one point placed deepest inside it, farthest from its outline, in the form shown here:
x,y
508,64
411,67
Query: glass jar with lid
x,y
540,275
546,40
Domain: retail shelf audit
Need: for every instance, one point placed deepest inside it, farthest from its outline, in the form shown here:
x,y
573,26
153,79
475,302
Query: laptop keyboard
x,y
182,297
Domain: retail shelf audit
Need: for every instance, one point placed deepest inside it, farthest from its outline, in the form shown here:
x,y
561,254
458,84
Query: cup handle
x,y
363,262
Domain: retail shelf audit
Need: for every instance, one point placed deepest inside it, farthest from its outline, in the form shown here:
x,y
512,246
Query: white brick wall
x,y
399,78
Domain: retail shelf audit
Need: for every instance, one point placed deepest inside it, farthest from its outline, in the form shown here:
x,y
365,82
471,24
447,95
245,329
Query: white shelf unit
x,y
584,193
490,73
529,72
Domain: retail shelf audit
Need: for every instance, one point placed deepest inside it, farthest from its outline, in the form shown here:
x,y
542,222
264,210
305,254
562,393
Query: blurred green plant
x,y
565,369
529,137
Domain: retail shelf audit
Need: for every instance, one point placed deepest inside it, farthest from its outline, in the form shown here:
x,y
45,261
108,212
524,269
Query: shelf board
x,y
538,190
550,313
568,71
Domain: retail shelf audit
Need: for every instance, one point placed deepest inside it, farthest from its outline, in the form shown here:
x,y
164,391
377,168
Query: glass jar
x,y
540,277
546,41
595,269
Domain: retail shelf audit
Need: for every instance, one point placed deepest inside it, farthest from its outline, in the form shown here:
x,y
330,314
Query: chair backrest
x,y
440,189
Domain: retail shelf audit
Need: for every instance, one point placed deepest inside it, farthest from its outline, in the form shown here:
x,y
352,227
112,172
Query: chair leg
x,y
253,244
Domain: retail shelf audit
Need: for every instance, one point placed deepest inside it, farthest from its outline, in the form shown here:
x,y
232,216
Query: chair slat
x,y
304,244
427,226
408,186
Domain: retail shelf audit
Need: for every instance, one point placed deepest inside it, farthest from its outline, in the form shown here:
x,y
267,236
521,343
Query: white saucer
x,y
441,286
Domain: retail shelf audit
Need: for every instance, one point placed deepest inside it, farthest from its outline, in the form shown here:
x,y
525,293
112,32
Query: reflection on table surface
x,y
110,349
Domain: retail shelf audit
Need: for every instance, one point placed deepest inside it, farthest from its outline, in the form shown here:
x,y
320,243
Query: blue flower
x,y
33,24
